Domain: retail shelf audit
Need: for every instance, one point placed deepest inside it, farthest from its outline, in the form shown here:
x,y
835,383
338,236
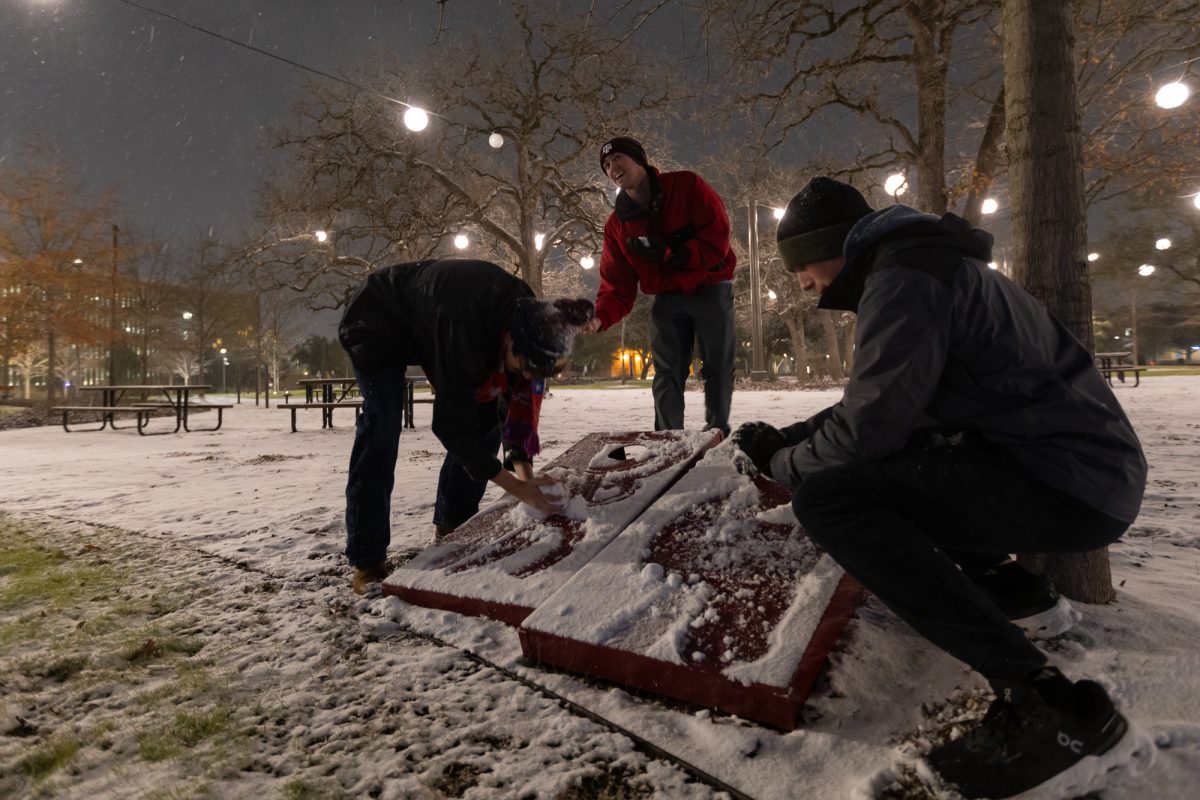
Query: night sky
x,y
173,118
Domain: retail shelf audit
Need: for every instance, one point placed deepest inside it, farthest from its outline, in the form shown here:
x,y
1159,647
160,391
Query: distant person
x,y
480,336
669,234
973,426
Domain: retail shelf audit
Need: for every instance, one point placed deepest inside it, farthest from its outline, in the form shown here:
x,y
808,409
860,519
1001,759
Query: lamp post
x,y
758,368
224,362
112,317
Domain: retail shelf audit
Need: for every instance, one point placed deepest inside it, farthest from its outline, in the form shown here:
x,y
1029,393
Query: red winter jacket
x,y
689,217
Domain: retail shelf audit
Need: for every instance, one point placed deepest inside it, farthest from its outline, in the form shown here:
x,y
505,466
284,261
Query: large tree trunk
x,y
794,320
1046,180
837,370
931,66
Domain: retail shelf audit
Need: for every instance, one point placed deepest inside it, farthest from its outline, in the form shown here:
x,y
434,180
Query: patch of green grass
x,y
60,670
49,757
36,576
148,646
188,729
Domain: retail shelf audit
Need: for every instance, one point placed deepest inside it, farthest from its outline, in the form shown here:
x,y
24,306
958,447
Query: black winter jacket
x,y
943,343
447,316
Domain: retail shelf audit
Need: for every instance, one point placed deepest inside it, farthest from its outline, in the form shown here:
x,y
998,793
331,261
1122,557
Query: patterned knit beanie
x,y
544,330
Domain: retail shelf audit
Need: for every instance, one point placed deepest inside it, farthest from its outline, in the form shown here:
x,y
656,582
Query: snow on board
x,y
714,596
507,559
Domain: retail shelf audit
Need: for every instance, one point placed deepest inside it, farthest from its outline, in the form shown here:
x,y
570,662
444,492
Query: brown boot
x,y
364,576
441,532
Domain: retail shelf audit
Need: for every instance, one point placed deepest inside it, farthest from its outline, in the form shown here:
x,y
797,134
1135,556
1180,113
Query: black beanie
x,y
544,330
627,145
816,221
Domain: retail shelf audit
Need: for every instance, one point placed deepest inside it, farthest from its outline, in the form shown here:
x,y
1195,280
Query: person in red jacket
x,y
669,234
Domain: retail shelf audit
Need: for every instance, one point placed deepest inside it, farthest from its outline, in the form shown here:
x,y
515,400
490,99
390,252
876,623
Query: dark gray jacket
x,y
944,343
449,317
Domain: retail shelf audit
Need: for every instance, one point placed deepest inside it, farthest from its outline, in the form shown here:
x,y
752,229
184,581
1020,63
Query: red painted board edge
x,y
847,596
769,705
504,612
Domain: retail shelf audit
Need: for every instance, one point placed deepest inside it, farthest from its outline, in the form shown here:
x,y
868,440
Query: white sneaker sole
x,y
1133,754
1051,622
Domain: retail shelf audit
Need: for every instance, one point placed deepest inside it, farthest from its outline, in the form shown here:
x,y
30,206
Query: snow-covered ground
x,y
175,622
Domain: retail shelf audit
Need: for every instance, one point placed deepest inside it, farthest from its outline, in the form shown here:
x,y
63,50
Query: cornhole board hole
x,y
506,560
714,596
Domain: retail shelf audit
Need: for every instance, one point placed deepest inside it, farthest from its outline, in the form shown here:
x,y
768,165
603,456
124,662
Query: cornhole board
x,y
507,559
714,596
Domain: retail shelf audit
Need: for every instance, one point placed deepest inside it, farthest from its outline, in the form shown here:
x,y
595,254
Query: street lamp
x,y
1163,244
496,141
321,236
989,206
587,262
1093,256
415,119
1172,95
896,184
224,363
461,241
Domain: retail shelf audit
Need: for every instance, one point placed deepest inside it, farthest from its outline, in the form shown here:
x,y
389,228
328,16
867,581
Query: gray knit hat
x,y
816,221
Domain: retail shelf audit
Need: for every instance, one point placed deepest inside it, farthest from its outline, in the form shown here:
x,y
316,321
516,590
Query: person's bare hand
x,y
543,493
592,326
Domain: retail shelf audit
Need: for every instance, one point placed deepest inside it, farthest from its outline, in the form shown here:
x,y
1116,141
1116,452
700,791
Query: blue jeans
x,y
372,471
458,494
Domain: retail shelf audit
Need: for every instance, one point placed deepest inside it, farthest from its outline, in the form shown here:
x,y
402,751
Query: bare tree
x,y
547,92
54,242
874,59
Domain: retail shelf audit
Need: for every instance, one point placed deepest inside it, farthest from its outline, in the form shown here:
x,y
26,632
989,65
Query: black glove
x,y
759,441
680,256
649,247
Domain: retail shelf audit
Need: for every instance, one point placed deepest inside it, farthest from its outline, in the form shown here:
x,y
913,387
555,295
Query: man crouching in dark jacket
x,y
481,336
973,426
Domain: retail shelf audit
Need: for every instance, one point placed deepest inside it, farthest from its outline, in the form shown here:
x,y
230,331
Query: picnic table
x,y
329,394
326,395
1114,363
146,399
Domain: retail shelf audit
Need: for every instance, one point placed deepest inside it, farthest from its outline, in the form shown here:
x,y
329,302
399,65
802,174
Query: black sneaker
x,y
1027,599
1059,742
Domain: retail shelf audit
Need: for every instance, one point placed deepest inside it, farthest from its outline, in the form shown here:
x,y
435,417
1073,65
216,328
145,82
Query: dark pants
x,y
679,321
372,471
903,526
458,494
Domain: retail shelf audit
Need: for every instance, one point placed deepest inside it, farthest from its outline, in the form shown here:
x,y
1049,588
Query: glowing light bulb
x,y
587,262
461,241
415,119
496,141
1172,95
896,184
989,206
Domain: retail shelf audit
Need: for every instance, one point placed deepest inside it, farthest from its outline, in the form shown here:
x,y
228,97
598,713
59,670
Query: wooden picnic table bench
x,y
1111,364
107,415
411,399
326,409
176,397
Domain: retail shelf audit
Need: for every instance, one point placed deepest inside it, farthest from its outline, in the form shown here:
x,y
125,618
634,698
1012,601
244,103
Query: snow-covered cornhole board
x,y
714,596
505,561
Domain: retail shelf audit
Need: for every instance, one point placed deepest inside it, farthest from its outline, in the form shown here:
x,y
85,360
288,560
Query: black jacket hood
x,y
894,230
